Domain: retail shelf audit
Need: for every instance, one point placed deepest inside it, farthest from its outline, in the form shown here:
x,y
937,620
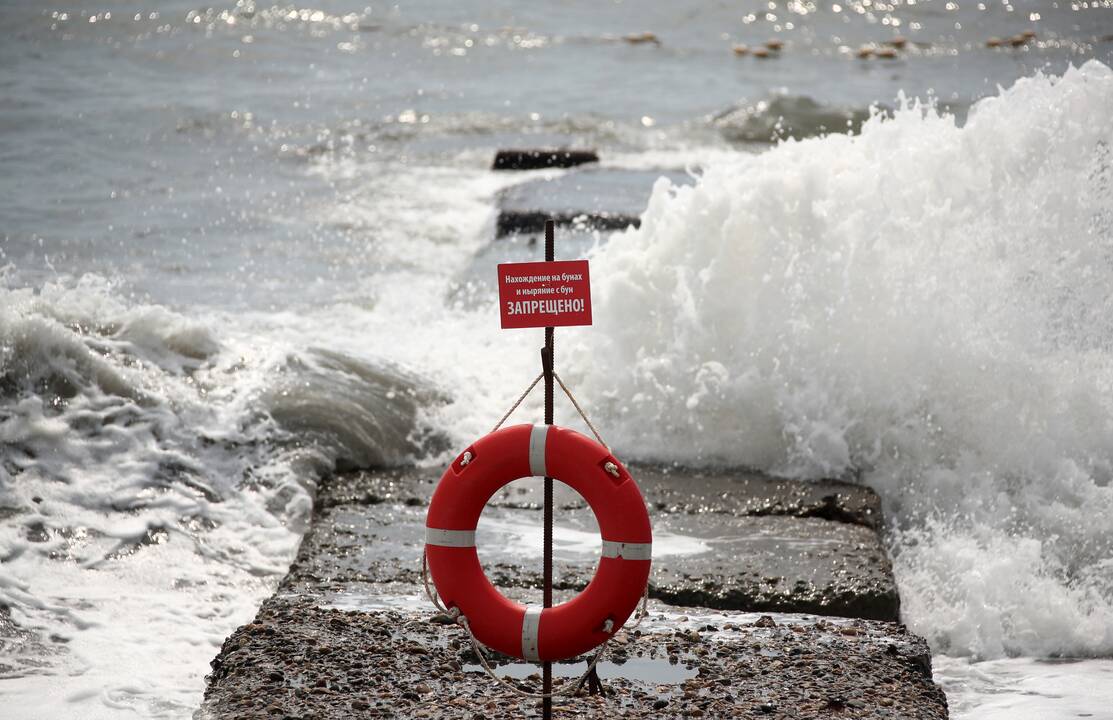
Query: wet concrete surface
x,y
666,490
721,540
350,634
738,492
301,660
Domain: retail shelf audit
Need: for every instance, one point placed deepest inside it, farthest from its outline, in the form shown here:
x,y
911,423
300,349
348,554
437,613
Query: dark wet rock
x,y
538,158
365,666
604,199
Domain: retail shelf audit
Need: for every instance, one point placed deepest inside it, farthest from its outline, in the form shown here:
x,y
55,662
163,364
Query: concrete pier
x,y
772,598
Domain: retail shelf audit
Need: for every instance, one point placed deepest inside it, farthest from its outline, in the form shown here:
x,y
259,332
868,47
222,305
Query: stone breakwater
x,y
771,599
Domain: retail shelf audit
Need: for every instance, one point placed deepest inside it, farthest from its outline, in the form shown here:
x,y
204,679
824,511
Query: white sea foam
x,y
1025,688
154,481
127,545
926,304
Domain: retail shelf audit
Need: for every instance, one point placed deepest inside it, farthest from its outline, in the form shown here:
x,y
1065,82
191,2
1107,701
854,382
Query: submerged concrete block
x,y
596,198
538,158
529,222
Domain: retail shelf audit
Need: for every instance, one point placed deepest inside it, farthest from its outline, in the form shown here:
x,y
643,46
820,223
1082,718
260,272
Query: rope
x,y
566,688
430,592
575,404
580,410
519,401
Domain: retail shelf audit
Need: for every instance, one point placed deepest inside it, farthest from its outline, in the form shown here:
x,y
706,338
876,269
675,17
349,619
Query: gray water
x,y
241,245
170,145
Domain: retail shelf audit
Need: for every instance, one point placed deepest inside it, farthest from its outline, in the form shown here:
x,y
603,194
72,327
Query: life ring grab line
x,y
461,515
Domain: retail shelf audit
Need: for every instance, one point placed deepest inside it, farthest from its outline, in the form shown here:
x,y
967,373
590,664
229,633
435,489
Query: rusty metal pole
x,y
547,368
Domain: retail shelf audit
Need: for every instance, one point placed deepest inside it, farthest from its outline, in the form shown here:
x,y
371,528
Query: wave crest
x,y
925,304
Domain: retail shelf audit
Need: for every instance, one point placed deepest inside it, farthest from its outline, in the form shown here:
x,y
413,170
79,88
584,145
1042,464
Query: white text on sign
x,y
544,294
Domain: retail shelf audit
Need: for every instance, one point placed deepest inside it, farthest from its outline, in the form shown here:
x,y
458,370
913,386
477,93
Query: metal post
x,y
547,367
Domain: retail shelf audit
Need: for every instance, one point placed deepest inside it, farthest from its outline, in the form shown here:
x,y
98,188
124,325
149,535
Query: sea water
x,y
238,247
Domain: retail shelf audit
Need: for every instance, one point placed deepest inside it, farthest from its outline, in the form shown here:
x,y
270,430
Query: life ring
x,y
534,633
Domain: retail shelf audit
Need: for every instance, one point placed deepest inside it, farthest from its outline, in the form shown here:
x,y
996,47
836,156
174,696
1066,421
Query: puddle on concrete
x,y
365,602
514,534
657,671
662,618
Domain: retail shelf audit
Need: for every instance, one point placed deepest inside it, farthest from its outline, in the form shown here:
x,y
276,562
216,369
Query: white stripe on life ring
x,y
537,450
627,551
531,624
449,538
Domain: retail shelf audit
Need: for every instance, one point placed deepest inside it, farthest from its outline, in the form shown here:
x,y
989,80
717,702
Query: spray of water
x,y
925,305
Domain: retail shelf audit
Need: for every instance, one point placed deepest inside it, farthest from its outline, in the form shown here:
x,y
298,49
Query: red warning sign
x,y
544,294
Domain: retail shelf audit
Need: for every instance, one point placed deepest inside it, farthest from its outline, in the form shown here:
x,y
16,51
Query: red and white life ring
x,y
533,633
